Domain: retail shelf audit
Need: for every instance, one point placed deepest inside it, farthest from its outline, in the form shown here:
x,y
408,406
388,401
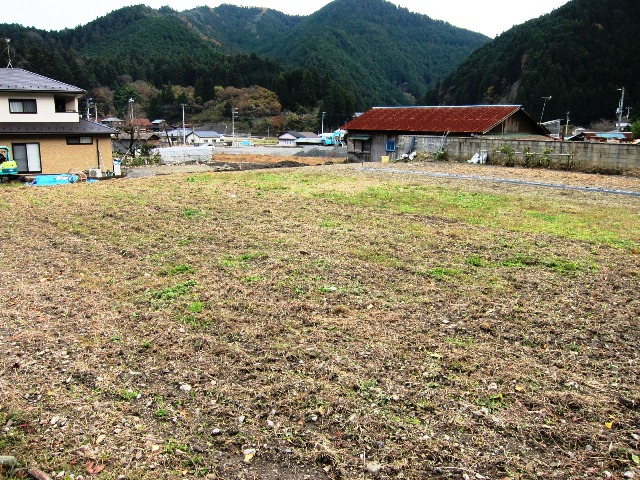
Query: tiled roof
x,y
55,128
19,80
207,134
462,119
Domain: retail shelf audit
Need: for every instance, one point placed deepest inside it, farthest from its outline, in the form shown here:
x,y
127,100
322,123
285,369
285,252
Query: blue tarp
x,y
58,179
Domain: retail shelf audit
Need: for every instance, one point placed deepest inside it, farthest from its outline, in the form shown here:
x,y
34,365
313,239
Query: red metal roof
x,y
461,119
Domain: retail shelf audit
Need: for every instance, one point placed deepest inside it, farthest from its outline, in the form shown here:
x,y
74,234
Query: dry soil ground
x,y
321,322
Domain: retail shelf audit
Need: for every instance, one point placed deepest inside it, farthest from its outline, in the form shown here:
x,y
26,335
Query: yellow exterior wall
x,y
58,157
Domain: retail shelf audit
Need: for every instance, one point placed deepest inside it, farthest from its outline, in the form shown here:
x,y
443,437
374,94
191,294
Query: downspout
x,y
99,155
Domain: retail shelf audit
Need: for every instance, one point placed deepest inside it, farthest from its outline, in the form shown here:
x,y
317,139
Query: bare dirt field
x,y
324,322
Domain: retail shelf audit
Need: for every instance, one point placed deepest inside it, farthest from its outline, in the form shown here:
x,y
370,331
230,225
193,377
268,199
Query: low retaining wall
x,y
581,156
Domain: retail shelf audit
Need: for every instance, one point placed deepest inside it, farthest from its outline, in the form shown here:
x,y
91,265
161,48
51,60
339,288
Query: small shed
x,y
376,133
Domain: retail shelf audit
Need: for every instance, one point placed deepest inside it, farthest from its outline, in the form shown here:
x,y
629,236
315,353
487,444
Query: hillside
x,y
374,52
579,54
386,53
235,28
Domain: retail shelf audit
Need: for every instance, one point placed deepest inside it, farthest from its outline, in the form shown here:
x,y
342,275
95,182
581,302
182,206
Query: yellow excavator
x,y
8,167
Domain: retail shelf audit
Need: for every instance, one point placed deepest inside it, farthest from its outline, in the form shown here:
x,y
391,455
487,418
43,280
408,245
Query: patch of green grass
x,y
174,292
509,211
476,261
543,216
242,260
379,257
441,273
196,307
520,260
129,394
194,321
162,413
558,265
460,341
331,289
177,270
172,445
494,402
369,390
192,213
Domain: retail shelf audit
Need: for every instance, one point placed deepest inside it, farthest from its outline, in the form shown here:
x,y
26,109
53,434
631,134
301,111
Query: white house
x,y
204,137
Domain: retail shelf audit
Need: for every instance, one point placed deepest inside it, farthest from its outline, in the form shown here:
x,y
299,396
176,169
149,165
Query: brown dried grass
x,y
162,327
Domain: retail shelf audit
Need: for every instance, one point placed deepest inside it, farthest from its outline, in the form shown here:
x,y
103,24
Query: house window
x,y
391,146
22,106
362,146
79,140
60,104
27,156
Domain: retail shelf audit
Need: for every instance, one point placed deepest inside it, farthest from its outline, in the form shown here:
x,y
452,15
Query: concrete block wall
x,y
580,156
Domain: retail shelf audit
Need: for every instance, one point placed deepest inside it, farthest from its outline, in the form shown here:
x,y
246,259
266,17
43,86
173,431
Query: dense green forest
x,y
399,54
579,54
349,56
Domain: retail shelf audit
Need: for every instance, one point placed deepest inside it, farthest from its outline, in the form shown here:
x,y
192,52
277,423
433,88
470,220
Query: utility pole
x,y
620,109
131,140
184,138
8,40
323,114
89,100
566,127
546,99
233,126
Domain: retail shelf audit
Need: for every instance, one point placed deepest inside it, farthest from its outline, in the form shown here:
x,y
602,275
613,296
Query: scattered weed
x,y
461,341
177,270
176,291
129,394
162,413
476,261
190,213
196,307
493,402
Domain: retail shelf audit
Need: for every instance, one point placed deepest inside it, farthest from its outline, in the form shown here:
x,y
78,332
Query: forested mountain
x,y
387,53
580,54
350,55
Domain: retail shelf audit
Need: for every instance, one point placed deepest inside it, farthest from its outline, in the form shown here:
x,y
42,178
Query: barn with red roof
x,y
377,132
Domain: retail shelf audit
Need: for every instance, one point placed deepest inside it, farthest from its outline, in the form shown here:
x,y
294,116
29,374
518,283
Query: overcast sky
x,y
491,17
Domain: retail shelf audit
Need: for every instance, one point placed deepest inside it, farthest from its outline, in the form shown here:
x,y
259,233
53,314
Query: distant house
x,y
177,136
40,122
602,137
204,137
123,142
376,133
113,122
142,125
287,139
292,139
160,124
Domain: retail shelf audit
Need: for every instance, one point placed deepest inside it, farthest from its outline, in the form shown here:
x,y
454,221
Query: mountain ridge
x,y
343,41
580,54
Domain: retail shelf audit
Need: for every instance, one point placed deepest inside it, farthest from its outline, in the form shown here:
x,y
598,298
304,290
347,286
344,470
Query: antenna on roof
x,y
8,53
